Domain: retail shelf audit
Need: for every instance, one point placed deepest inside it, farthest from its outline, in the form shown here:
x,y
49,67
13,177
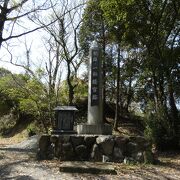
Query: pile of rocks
x,y
95,148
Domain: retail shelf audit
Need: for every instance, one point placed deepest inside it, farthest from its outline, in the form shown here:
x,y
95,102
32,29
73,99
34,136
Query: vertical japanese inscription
x,y
95,78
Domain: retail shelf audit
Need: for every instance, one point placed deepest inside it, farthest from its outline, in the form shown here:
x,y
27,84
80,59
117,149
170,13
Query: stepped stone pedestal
x,y
94,129
95,104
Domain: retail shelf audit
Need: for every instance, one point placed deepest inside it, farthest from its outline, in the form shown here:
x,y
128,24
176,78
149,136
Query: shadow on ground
x,y
17,150
23,177
5,171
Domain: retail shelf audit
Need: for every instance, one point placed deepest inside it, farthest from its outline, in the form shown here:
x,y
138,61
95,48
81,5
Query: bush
x,y
159,131
32,129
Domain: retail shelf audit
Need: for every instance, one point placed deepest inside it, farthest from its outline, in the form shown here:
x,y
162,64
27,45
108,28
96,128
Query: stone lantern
x,y
64,120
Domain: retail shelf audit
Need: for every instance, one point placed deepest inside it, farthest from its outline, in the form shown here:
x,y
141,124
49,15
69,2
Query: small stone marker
x,y
64,120
95,104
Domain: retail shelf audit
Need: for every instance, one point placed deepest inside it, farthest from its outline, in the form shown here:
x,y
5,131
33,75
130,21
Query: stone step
x,y
87,167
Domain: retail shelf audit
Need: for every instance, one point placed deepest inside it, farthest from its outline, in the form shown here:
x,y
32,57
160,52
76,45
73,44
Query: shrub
x,y
158,129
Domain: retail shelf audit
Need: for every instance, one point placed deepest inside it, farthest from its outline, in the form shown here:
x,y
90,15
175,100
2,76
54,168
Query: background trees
x,y
156,31
147,32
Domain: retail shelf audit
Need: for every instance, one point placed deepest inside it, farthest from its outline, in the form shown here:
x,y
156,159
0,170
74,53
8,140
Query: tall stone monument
x,y
95,104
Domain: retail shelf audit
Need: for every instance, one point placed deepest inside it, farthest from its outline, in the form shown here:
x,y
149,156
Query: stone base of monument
x,y
95,148
103,129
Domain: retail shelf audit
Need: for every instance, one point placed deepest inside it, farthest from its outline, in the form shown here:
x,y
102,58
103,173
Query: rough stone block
x,y
131,148
66,146
67,153
89,141
66,138
81,151
121,142
44,142
54,138
60,140
77,140
103,138
106,158
106,143
142,143
140,140
57,151
129,160
96,155
139,157
117,154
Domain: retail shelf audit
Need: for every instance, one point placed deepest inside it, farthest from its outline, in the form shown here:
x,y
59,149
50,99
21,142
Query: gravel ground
x,y
18,162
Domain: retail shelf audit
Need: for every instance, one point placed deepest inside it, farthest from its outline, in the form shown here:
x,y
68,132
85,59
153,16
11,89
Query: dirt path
x,y
17,163
20,164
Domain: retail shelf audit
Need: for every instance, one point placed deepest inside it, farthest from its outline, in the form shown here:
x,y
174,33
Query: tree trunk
x,y
117,93
3,17
155,91
129,94
174,110
70,86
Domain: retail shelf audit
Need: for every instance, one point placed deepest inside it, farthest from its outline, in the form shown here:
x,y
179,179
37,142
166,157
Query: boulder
x,y
67,152
102,138
96,155
77,140
66,138
129,160
60,140
54,139
66,146
121,142
117,155
89,141
81,152
105,158
57,151
106,143
139,157
50,152
44,143
131,148
141,141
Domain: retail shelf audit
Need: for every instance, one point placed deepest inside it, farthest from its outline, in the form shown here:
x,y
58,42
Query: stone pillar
x,y
95,122
95,86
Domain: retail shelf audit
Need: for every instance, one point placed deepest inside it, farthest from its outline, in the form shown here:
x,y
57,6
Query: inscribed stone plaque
x,y
95,78
64,121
